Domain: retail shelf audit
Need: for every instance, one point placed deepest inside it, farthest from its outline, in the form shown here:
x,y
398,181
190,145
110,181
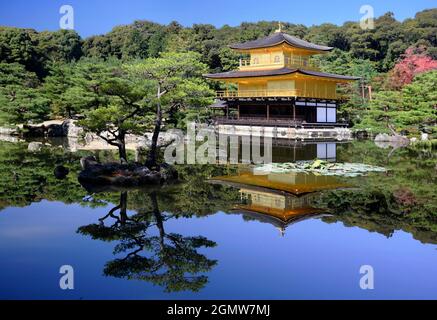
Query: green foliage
x,y
382,111
174,86
411,107
60,46
115,103
420,100
383,45
63,63
21,99
18,46
403,199
28,176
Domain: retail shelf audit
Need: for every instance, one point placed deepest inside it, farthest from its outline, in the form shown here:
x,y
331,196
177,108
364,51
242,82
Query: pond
x,y
222,232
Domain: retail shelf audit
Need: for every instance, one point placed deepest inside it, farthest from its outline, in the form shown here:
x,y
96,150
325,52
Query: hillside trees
x,y
413,106
21,99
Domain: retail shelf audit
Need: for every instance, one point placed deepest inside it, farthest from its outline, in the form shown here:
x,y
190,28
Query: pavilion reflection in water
x,y
286,150
280,199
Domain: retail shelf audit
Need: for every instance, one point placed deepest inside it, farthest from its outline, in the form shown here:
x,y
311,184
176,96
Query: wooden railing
x,y
291,62
277,122
300,62
279,93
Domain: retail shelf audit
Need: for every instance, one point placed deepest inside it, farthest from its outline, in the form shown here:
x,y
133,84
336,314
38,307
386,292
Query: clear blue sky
x,y
100,16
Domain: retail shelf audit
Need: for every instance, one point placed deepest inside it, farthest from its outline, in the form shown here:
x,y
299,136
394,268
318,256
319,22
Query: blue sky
x,y
100,16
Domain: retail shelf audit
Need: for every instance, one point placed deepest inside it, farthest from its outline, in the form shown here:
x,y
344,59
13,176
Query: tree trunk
x,y
123,207
122,148
158,218
152,156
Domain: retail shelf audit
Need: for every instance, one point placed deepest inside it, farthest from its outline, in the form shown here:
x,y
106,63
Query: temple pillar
x,y
294,111
268,112
238,112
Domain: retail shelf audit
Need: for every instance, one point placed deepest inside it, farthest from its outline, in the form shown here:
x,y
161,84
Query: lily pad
x,y
319,167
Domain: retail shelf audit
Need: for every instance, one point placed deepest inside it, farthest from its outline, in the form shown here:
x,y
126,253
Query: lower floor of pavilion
x,y
293,112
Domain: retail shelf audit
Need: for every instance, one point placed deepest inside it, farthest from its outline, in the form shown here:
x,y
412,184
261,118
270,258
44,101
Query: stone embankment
x,y
75,138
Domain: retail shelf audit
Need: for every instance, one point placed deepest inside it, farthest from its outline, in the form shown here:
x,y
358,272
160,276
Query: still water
x,y
221,232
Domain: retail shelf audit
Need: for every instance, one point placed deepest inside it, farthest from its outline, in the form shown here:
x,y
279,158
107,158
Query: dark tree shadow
x,y
150,253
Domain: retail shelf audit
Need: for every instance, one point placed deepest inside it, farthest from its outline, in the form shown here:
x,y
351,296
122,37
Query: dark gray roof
x,y
275,72
327,75
279,38
277,222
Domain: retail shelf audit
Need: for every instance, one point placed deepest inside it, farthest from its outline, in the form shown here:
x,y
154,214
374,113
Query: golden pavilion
x,y
279,84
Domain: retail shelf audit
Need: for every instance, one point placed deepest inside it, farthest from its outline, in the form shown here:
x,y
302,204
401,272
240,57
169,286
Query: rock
x,y
382,137
425,129
123,175
35,146
61,172
413,140
168,172
393,144
400,140
383,144
361,134
52,128
89,137
34,131
55,131
70,129
424,136
9,131
142,171
9,138
405,132
88,162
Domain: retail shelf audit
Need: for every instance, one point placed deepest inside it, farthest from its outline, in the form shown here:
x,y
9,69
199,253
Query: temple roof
x,y
276,72
278,222
277,39
297,184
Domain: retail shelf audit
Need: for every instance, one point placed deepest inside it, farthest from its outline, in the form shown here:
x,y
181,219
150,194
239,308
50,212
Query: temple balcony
x,y
279,62
276,121
230,94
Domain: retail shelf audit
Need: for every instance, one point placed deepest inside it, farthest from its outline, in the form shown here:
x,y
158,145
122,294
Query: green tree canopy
x,y
174,85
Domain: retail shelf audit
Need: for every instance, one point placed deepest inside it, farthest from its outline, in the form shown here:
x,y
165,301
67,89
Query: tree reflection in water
x,y
150,253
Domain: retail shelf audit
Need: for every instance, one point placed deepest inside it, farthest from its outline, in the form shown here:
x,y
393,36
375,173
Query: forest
x,y
113,77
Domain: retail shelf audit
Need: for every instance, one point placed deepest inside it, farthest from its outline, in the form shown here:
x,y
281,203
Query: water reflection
x,y
306,150
167,259
280,199
155,236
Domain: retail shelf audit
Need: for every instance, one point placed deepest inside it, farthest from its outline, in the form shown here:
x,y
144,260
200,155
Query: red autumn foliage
x,y
413,62
404,196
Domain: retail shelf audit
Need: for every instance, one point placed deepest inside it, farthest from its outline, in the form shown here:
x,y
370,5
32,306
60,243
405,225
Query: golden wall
x,y
300,87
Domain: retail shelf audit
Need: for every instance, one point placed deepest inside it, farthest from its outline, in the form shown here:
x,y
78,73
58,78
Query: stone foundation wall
x,y
286,133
